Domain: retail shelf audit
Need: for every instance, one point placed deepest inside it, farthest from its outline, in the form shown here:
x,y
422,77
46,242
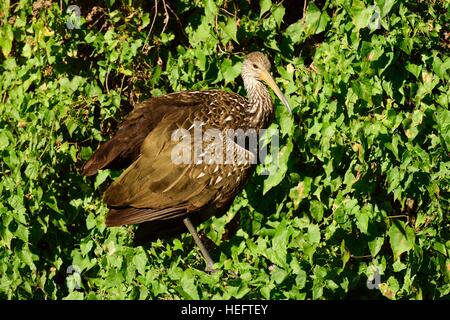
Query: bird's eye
x,y
255,66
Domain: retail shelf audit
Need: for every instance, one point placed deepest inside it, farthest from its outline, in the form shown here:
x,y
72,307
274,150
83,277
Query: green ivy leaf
x,y
316,208
313,234
230,71
402,238
361,18
300,279
145,21
101,177
280,243
74,295
265,6
86,153
278,14
362,219
279,275
278,170
231,29
385,6
188,287
443,120
315,20
140,261
4,141
6,39
375,245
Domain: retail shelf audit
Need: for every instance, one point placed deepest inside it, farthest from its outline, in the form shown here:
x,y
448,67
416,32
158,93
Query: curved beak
x,y
267,78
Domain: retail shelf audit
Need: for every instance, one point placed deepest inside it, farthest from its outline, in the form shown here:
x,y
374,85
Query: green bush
x,y
364,180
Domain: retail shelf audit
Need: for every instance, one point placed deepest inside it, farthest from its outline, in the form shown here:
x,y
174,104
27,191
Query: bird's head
x,y
256,67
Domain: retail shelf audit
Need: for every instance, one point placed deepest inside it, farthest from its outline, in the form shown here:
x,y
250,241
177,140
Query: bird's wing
x,y
154,187
124,146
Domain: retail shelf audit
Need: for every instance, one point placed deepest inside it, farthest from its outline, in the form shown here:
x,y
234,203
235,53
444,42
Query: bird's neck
x,y
260,102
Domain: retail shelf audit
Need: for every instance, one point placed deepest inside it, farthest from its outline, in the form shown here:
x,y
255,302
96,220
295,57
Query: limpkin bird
x,y
162,195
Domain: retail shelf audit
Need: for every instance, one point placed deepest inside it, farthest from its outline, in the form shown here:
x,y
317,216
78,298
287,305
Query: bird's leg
x,y
205,253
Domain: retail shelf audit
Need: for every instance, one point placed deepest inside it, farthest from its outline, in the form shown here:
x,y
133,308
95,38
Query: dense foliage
x,y
363,182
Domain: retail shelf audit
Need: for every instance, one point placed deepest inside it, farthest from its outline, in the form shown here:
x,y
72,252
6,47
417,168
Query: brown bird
x,y
161,189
